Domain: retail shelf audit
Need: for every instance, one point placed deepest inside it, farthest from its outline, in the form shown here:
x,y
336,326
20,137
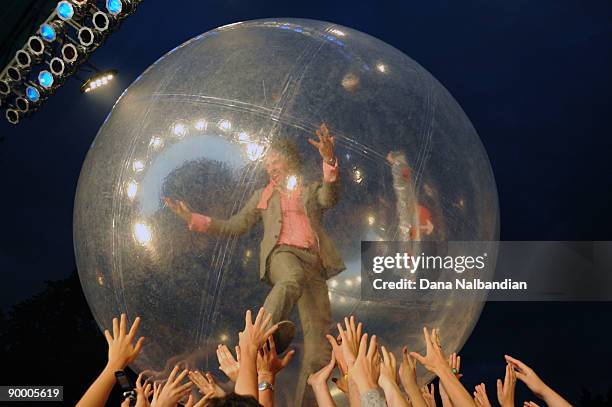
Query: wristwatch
x,y
265,386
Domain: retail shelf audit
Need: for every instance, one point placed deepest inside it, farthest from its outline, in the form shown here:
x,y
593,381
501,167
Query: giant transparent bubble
x,y
195,126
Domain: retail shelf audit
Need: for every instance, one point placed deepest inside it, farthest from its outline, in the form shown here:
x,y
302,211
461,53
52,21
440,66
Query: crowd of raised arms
x,y
368,374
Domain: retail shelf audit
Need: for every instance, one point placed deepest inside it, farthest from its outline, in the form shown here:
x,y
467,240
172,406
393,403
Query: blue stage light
x,y
45,78
65,10
48,32
114,7
32,94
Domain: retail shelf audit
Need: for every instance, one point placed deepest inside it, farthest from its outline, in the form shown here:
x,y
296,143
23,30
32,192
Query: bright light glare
x,y
254,151
291,182
200,125
371,220
179,129
138,166
65,10
142,233
358,176
114,6
33,94
225,125
381,67
132,188
45,78
47,32
156,142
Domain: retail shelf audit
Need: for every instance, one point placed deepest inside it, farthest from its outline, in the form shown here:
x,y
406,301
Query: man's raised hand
x,y
326,143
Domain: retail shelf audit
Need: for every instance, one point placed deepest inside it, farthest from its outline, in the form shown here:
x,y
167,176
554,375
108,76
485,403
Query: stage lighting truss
x,y
59,48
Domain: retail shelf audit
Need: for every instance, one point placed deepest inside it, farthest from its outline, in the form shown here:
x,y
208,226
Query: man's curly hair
x,y
288,148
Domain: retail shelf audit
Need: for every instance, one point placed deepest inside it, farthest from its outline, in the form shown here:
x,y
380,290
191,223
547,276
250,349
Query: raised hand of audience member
x,y
251,339
121,352
121,349
388,380
350,337
530,404
143,392
480,396
505,389
204,401
454,361
429,395
268,361
365,370
206,384
526,374
268,366
407,374
227,363
156,390
435,362
318,382
172,391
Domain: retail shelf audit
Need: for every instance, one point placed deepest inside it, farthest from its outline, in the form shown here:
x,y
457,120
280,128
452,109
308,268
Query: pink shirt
x,y
296,229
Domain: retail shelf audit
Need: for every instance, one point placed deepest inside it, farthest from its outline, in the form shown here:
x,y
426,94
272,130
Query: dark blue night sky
x,y
534,77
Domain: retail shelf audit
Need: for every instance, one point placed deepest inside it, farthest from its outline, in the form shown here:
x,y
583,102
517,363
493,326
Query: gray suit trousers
x,y
297,277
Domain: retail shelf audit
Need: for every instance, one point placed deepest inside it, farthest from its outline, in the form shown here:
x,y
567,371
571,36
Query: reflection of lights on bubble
x,y
138,166
371,220
333,283
337,32
156,142
225,125
132,188
200,125
248,253
243,137
254,151
381,68
142,232
223,337
359,279
291,182
358,175
342,300
348,282
179,129
329,294
350,82
100,279
461,203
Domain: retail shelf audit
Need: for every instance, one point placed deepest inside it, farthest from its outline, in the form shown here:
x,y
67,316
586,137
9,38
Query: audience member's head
x,y
234,400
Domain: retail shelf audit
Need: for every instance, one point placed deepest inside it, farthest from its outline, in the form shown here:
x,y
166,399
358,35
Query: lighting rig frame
x,y
57,51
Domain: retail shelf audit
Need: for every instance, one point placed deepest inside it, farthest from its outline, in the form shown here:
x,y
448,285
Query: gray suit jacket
x,y
317,197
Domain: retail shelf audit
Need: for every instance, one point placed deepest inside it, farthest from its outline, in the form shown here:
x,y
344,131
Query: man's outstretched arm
x,y
238,224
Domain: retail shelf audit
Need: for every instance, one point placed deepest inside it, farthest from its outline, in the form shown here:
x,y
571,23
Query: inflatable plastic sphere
x,y
196,127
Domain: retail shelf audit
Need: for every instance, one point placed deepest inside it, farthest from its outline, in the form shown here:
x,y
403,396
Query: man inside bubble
x,y
296,254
